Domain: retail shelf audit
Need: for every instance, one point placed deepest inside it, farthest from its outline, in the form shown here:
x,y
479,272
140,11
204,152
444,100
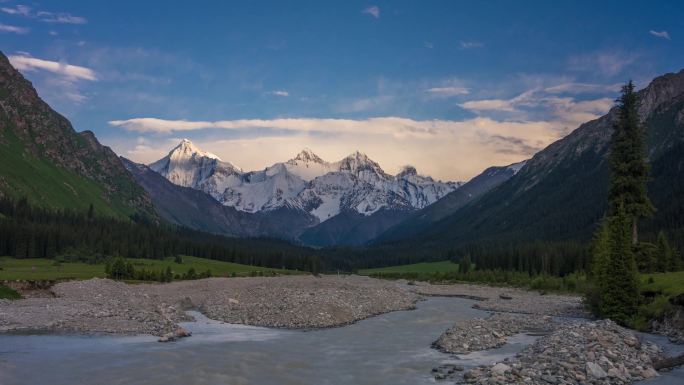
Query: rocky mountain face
x,y
560,194
189,207
419,221
68,169
305,182
305,198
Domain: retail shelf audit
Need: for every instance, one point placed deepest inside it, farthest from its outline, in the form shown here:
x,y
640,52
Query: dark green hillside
x,y
45,184
45,160
547,211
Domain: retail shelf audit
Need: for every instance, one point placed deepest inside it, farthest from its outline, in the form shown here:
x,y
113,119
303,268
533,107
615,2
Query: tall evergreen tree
x,y
665,260
620,292
629,168
600,250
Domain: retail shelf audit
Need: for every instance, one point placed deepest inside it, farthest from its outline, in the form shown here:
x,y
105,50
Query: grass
x,y
670,284
424,267
658,289
47,269
47,185
447,272
8,293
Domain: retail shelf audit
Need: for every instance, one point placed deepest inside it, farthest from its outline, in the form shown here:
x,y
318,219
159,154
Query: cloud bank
x,y
446,149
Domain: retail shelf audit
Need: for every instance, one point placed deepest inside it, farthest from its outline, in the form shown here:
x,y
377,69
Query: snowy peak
x,y
407,170
307,165
305,182
186,165
187,149
306,155
359,162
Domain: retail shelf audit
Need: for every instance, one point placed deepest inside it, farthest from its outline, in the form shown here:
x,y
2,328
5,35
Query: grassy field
x,y
46,269
669,284
424,267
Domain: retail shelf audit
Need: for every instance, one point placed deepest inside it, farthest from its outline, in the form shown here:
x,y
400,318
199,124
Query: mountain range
x,y
558,196
329,199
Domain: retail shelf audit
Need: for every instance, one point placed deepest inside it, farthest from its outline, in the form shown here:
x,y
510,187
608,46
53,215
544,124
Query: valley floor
x,y
102,305
106,306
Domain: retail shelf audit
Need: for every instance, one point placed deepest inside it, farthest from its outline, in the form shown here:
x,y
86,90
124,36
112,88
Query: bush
x,y
8,293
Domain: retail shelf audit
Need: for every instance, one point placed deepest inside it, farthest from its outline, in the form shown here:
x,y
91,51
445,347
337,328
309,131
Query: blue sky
x,y
448,86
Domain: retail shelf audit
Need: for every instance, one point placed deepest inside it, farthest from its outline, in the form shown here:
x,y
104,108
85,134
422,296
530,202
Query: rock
x,y
595,371
500,368
649,373
487,333
578,352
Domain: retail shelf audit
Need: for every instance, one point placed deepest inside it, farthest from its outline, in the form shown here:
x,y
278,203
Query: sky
x,y
450,87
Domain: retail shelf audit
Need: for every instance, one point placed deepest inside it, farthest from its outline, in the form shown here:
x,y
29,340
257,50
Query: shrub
x,y
8,293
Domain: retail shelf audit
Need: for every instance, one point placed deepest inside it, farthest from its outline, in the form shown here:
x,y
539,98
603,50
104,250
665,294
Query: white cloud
x,y
470,44
488,105
446,149
545,101
660,34
60,18
282,93
18,10
45,16
373,10
447,91
13,29
28,63
428,44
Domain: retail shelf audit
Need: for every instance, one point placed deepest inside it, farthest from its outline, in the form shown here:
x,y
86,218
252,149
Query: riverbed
x,y
393,348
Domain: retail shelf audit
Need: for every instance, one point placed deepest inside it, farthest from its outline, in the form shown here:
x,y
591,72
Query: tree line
x,y
28,231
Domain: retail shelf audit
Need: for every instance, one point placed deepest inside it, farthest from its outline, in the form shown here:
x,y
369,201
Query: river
x,y
393,348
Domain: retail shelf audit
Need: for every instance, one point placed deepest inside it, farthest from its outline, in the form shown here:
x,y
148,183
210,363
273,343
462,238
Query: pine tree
x,y
665,260
629,168
620,292
464,265
600,251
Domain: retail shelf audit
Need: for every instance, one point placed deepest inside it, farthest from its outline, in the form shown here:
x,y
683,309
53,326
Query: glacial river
x,y
389,349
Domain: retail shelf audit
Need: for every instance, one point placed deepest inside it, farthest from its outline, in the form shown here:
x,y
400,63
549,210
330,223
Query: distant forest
x,y
27,231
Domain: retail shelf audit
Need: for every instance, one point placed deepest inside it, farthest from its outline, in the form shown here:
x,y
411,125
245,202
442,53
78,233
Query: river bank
x,y
106,306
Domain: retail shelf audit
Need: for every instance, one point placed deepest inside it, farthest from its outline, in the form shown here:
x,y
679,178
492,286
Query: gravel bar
x,y
106,306
509,300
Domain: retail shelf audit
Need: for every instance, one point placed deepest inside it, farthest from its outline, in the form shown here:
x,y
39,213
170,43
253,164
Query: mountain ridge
x,y
305,182
560,194
45,160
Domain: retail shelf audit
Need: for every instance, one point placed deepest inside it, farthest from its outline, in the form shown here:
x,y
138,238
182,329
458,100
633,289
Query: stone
x,y
649,373
500,368
595,371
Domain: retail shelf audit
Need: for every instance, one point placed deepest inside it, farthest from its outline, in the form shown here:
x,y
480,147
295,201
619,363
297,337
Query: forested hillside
x,y
548,211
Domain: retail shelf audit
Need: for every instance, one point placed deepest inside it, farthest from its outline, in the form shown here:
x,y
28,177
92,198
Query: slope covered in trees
x,y
35,232
552,206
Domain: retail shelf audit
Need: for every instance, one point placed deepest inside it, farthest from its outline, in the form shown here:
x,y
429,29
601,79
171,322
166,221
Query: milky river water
x,y
391,349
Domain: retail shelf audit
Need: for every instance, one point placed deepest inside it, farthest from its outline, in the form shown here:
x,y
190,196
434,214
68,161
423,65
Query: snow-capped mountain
x,y
305,182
